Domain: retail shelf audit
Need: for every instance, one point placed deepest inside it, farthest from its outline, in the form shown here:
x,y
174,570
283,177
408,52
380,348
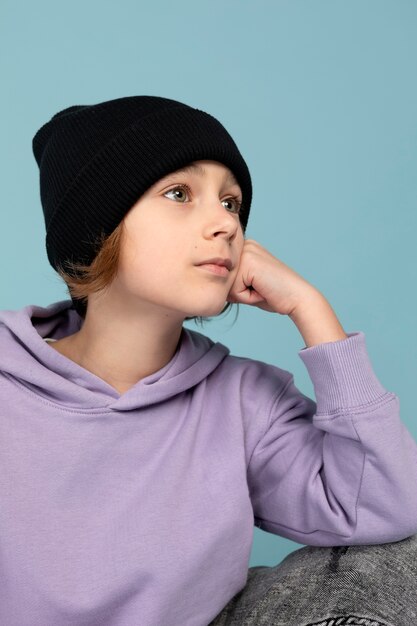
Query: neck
x,y
125,349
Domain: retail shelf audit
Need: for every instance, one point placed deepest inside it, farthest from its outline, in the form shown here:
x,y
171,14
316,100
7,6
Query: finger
x,y
249,297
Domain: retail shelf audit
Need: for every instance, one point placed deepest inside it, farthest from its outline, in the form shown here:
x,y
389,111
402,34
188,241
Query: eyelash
x,y
187,188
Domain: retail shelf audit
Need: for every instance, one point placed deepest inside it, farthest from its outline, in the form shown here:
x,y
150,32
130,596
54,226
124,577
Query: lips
x,y
225,262
218,266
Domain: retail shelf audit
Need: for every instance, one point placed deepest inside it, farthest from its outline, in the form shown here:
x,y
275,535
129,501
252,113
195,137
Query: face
x,y
181,221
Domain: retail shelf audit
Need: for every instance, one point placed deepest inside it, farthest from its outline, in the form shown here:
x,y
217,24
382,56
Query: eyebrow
x,y
196,168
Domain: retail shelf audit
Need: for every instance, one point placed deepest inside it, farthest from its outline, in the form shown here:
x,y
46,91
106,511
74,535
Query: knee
x,y
389,567
404,551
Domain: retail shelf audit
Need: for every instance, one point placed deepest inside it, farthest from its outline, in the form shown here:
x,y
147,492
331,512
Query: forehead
x,y
199,170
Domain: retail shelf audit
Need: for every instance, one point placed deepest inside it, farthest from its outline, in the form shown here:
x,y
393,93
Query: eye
x,y
235,199
238,203
182,187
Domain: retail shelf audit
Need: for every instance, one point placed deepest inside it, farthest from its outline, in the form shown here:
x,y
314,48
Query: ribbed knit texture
x,y
345,377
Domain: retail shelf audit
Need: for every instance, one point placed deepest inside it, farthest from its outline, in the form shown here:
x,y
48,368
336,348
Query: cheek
x,y
152,252
240,241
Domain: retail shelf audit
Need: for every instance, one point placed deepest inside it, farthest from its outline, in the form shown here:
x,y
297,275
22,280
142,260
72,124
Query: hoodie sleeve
x,y
341,470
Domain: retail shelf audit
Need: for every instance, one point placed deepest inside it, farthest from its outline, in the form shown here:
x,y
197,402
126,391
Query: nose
x,y
221,223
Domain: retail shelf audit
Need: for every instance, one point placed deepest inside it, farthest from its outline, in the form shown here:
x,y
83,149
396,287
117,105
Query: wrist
x,y
317,321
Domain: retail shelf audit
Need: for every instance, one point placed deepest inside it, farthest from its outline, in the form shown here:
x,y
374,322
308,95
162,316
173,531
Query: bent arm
x,y
341,470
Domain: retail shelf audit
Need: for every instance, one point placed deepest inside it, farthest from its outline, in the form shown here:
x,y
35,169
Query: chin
x,y
208,311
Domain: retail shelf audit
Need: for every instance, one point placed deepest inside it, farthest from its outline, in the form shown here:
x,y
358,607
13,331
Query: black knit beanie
x,y
96,160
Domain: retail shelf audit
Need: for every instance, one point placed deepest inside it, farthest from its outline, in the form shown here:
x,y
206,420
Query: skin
x,y
132,329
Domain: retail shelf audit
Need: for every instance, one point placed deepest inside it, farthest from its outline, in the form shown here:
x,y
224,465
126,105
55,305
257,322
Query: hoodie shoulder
x,y
267,379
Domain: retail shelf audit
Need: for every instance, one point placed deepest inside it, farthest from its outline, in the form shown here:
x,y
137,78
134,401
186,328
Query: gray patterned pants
x,y
367,585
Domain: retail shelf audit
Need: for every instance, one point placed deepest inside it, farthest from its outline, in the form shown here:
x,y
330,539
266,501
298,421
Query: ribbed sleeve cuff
x,y
342,374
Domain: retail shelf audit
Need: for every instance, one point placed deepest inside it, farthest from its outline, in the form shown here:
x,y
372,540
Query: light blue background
x,y
321,98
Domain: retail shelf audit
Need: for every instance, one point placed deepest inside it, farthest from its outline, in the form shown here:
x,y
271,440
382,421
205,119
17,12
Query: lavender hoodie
x,y
138,509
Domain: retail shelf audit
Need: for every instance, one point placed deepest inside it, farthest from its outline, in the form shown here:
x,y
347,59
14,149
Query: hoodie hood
x,y
27,359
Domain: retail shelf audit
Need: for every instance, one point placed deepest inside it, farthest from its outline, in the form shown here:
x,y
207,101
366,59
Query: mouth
x,y
219,266
222,261
214,268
